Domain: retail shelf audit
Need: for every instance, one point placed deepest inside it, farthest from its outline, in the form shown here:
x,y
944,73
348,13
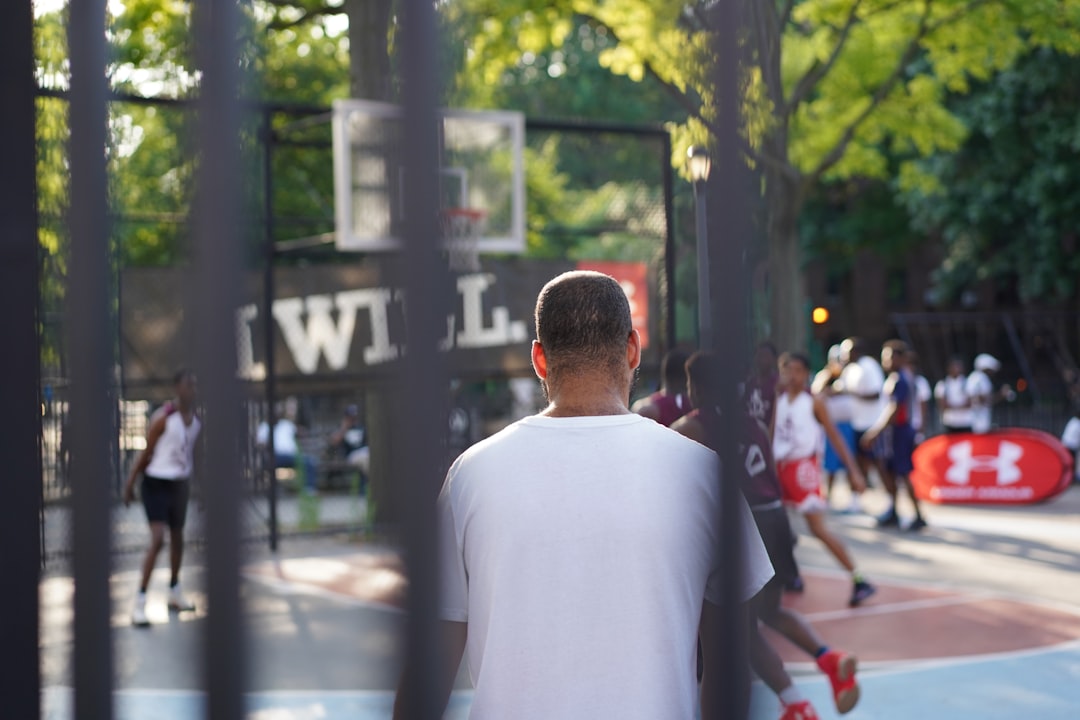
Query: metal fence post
x,y
270,255
215,298
728,226
20,424
423,378
90,347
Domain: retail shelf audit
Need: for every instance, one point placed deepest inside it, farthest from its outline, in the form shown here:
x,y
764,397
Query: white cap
x,y
835,354
984,361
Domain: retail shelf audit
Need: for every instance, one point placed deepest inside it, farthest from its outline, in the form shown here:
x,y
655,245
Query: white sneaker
x,y
138,613
178,601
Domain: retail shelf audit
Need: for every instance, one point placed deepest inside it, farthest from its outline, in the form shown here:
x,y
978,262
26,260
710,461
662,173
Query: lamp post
x,y
699,164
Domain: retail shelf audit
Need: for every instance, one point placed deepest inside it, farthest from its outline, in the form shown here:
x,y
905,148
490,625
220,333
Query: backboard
x,y
481,169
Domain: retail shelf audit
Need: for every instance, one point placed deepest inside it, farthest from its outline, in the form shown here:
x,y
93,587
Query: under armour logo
x,y
964,463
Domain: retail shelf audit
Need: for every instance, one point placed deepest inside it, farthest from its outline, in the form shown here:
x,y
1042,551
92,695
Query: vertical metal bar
x,y
218,271
423,379
1021,356
268,324
704,271
88,330
669,244
728,228
20,425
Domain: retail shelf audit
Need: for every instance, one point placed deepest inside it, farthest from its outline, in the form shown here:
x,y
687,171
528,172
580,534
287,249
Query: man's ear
x,y
539,360
633,350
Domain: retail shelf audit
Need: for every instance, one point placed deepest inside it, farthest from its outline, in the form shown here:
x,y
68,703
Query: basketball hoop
x,y
461,229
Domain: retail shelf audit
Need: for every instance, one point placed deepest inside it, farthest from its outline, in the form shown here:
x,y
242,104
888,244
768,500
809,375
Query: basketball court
x,y
927,650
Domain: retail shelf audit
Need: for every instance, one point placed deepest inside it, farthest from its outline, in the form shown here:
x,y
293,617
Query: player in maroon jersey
x,y
761,488
671,401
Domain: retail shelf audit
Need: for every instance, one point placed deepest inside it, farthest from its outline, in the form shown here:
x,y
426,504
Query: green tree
x,y
833,88
1007,204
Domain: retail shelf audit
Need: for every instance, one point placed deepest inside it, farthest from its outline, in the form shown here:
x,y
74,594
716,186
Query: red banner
x,y
634,279
1011,466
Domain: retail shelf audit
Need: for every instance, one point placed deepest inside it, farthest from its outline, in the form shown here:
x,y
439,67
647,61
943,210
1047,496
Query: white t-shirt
x,y
798,433
863,377
922,395
979,388
1070,438
579,551
951,393
838,405
284,436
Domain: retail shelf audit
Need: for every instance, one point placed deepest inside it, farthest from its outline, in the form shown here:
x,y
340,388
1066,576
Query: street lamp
x,y
699,164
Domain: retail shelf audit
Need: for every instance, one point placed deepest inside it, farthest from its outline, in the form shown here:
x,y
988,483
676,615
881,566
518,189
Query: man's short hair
x,y
181,375
673,367
703,370
798,357
899,348
582,319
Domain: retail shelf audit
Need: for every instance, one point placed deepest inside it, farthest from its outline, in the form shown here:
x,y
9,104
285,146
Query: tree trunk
x,y
370,79
786,288
369,51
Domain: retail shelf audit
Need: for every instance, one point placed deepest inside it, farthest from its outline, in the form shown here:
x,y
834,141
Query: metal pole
x,y
20,425
423,377
215,298
701,225
89,330
268,325
669,243
726,280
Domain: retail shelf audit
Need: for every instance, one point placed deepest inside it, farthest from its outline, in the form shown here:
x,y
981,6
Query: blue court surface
x,y
1043,684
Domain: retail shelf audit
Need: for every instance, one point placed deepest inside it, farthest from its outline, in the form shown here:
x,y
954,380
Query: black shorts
x,y
878,449
165,501
775,530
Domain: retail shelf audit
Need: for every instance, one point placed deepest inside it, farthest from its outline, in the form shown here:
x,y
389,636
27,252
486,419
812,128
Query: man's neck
x,y
586,396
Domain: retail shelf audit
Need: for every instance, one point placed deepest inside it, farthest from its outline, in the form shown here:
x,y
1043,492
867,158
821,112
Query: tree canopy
x,y
832,90
1007,204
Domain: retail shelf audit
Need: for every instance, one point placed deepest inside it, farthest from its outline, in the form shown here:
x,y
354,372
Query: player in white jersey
x,y
800,418
579,547
166,466
862,381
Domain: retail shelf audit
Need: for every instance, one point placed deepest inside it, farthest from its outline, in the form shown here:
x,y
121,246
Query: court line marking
x,y
285,586
896,607
881,668
944,588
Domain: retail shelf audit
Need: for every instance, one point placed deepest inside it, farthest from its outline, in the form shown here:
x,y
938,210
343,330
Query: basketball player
x,y
166,466
800,418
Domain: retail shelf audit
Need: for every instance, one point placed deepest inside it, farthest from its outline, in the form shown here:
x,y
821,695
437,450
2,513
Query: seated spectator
x,y
287,452
350,442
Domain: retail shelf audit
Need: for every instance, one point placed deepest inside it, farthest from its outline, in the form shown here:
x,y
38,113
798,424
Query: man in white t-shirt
x,y
287,450
920,413
579,547
1070,438
952,398
862,381
980,389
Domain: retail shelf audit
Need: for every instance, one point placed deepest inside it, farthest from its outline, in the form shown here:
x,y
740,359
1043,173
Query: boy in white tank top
x,y
800,417
166,465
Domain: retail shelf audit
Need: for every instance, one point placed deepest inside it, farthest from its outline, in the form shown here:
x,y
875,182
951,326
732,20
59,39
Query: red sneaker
x,y
840,667
801,710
